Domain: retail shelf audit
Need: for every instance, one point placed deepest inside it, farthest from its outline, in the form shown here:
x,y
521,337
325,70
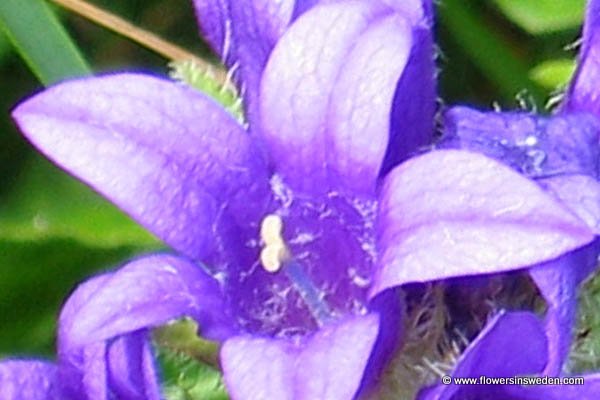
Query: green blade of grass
x,y
488,51
41,40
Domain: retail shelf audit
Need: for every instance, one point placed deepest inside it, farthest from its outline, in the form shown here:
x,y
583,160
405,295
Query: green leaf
x,y
184,378
41,40
46,203
553,74
35,280
543,16
489,52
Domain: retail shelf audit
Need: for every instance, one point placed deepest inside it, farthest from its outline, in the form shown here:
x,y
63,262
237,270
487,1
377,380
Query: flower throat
x,y
276,256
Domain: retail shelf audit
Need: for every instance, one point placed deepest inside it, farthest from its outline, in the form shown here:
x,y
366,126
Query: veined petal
x,y
327,365
327,121
454,213
145,293
359,121
583,93
164,153
497,352
27,380
243,33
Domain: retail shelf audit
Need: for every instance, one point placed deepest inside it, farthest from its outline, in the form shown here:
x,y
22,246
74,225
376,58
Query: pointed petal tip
x,y
164,153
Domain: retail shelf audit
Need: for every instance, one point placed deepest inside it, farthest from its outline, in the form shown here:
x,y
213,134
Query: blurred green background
x,y
54,231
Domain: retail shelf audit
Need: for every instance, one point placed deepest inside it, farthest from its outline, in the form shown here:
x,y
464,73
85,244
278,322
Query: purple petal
x,y
259,368
497,352
302,6
145,293
123,369
76,362
454,213
132,373
390,307
165,154
94,372
557,281
581,193
27,380
488,354
327,365
582,94
414,105
82,372
538,147
100,350
243,33
414,9
327,121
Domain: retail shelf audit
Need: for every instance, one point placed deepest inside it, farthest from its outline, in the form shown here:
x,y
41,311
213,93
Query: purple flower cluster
x,y
296,233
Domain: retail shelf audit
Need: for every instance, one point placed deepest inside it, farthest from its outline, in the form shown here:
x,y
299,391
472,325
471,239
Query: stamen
x,y
272,257
276,255
271,229
275,252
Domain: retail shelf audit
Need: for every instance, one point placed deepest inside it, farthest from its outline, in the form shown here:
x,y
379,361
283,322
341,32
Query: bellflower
x,y
498,352
292,233
561,153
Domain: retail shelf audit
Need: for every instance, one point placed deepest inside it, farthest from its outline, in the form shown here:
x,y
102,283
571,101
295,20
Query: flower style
x,y
294,232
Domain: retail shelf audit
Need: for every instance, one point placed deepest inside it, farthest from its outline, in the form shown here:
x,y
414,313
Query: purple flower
x,y
499,352
293,234
561,153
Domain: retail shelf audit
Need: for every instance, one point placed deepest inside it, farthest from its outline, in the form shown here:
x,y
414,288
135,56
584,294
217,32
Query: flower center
x,y
276,256
298,261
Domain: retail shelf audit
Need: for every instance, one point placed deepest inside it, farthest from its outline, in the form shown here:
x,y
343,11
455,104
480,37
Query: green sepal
x,y
204,80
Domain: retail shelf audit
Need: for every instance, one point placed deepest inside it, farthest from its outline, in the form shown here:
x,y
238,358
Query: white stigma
x,y
274,252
